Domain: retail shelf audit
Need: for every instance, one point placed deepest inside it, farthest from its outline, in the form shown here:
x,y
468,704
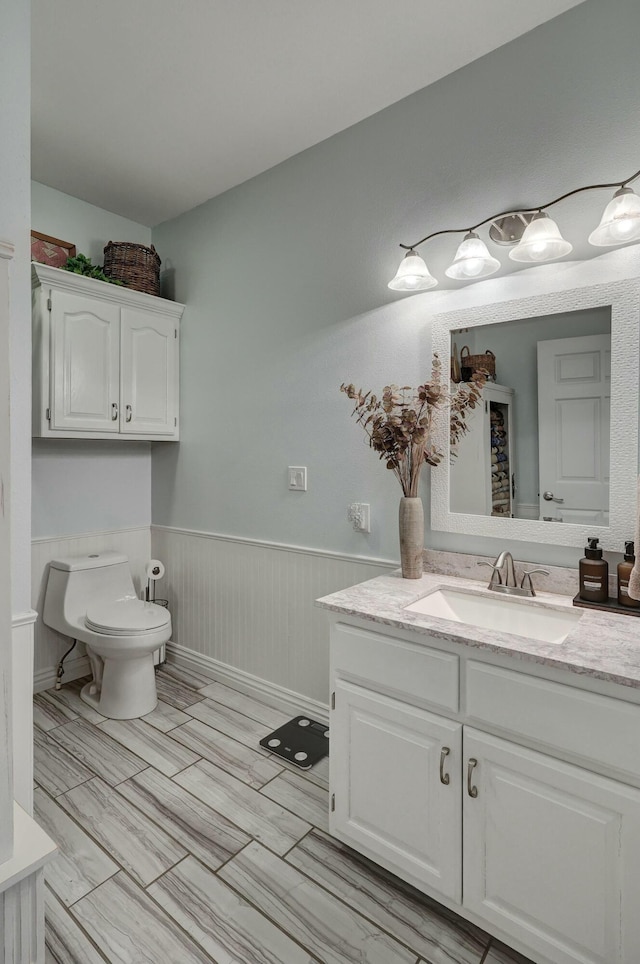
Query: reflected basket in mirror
x,y
471,364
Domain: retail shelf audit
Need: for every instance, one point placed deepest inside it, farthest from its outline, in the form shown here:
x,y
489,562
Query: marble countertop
x,y
603,645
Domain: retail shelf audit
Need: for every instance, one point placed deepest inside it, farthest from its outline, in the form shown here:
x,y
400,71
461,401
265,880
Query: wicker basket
x,y
134,264
470,364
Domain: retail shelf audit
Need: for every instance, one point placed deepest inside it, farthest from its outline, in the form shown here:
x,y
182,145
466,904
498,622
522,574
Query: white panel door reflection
x,y
574,413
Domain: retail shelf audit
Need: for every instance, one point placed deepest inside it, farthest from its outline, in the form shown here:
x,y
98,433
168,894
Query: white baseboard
x,y
45,679
262,689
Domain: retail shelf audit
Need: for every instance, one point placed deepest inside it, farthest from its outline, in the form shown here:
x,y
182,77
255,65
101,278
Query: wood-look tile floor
x,y
181,841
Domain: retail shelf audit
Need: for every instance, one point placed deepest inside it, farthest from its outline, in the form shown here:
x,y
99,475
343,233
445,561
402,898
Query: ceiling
x,y
148,108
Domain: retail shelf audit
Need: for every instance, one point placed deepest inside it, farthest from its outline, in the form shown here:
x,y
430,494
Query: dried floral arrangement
x,y
400,424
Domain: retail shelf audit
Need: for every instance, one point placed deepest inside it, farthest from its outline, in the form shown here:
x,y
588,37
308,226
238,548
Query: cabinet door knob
x,y
471,790
444,777
114,411
129,412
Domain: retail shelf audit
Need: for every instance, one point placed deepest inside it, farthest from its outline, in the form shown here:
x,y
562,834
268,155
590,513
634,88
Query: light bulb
x,y
412,274
620,222
472,260
541,241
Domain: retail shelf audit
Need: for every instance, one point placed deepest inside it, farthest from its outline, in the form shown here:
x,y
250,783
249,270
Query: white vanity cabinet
x,y
552,853
392,788
106,359
513,799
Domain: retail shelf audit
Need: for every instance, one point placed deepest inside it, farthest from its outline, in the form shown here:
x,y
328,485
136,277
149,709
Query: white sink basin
x,y
516,616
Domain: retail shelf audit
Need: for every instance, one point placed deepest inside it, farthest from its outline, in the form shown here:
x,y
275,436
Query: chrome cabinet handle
x,y
129,412
114,411
550,497
444,777
471,790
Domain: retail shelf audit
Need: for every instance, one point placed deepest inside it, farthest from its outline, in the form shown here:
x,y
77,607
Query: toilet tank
x,y
76,582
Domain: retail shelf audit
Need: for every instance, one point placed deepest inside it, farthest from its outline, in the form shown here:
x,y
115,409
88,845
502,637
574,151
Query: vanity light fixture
x,y
621,220
540,241
535,236
472,260
413,274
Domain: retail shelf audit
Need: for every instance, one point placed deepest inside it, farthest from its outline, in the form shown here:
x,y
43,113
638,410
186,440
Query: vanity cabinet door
x,y
149,353
395,781
85,364
552,853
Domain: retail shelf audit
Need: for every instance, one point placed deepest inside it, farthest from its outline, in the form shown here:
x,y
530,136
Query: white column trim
x,y
32,850
26,618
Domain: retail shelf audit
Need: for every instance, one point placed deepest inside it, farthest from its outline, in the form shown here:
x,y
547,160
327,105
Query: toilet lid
x,y
126,617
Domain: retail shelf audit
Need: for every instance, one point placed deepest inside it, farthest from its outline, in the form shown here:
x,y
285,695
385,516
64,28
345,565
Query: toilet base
x,y
127,690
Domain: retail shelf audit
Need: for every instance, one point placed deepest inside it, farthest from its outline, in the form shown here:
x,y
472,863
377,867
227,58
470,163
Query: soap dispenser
x,y
594,574
624,572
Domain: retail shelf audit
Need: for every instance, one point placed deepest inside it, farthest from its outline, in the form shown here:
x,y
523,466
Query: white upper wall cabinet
x,y
105,359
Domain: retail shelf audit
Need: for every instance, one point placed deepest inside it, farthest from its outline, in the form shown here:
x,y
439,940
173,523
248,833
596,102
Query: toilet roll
x,y
154,569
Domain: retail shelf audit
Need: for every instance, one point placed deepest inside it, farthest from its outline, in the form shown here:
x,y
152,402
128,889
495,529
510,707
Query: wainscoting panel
x,y
49,645
251,605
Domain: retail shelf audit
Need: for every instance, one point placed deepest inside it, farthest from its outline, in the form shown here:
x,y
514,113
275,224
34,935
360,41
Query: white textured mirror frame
x,y
609,289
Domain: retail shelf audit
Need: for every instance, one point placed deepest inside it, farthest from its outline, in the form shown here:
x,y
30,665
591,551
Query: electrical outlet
x,y
297,478
359,515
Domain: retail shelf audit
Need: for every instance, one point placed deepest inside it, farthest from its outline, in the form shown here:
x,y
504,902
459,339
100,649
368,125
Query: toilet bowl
x,y
92,598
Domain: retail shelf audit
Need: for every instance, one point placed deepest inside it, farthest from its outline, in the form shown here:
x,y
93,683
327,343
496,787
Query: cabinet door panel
x,y
149,373
552,854
389,798
85,347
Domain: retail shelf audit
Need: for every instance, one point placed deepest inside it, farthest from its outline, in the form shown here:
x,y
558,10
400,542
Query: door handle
x,y
129,412
444,777
550,497
114,411
471,790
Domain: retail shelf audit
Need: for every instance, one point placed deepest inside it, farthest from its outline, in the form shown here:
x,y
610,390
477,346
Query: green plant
x,y
83,265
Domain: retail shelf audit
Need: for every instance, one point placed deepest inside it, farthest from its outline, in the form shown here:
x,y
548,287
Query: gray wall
x,y
83,224
81,485
285,277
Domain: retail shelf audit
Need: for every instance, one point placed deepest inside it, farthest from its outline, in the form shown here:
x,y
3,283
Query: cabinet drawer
x,y
596,728
396,664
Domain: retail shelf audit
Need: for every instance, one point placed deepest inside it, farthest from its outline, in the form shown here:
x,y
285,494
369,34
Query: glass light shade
x,y
472,260
412,274
620,221
541,241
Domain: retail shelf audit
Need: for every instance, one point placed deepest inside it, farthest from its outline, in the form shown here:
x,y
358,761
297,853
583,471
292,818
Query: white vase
x,y
411,519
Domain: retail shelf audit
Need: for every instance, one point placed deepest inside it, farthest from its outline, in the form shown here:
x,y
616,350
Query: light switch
x,y
298,478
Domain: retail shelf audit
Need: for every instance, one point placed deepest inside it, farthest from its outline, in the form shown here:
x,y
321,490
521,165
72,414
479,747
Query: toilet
x,y
92,598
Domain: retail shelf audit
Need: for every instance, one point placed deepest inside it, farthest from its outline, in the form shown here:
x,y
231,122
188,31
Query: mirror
x,y
552,453
539,447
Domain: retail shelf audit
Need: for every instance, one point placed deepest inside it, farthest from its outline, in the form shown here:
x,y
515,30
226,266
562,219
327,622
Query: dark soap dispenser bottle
x,y
594,574
624,572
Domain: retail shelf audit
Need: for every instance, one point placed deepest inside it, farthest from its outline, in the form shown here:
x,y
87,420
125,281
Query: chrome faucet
x,y
504,567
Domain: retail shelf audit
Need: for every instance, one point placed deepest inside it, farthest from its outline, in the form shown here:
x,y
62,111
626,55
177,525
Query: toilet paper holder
x,y
154,570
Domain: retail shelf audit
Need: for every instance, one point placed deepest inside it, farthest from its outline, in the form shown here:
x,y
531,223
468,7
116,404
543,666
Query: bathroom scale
x,y
301,741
